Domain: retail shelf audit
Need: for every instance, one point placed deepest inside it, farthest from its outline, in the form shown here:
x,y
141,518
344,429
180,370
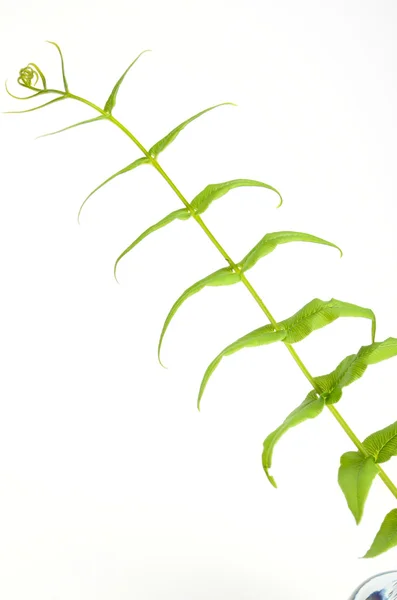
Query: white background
x,y
112,485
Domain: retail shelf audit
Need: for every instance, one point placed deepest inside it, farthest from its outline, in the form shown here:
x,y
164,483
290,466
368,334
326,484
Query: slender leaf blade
x,y
258,337
355,476
19,112
65,83
310,408
386,538
271,240
100,118
214,191
382,444
223,276
319,313
111,101
170,137
182,214
137,163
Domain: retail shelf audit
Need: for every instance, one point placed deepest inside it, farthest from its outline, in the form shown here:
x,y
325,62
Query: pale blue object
x,y
378,587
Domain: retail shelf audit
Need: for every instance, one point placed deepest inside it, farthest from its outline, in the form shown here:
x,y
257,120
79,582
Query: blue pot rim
x,y
353,596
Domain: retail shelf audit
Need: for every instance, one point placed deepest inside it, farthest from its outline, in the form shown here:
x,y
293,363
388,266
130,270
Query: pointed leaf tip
x,y
162,364
270,478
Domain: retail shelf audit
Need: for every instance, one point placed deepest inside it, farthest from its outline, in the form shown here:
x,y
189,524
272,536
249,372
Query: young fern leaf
x,y
227,277
271,240
382,444
356,471
317,314
181,214
310,408
100,118
170,137
65,83
216,190
386,538
137,163
111,101
353,367
224,276
355,476
258,337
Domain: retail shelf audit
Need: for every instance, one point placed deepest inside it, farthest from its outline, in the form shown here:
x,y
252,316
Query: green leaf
x,y
382,444
317,314
310,408
130,167
224,276
100,118
353,367
355,477
258,337
19,112
271,240
170,137
65,83
182,214
386,538
111,101
216,190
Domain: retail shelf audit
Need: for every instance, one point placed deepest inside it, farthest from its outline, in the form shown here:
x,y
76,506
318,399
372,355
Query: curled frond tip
x,y
30,76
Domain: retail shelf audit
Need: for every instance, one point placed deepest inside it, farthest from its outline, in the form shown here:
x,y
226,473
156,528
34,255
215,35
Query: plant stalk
x,y
385,478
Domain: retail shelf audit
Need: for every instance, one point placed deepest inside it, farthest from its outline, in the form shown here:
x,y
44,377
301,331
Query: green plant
x,y
357,469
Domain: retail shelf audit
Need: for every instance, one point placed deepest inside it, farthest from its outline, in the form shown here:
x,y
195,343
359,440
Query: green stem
x,y
244,280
